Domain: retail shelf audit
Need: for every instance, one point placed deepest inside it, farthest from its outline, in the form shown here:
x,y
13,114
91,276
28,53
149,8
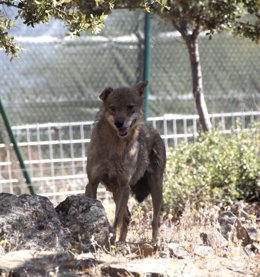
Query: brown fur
x,y
126,155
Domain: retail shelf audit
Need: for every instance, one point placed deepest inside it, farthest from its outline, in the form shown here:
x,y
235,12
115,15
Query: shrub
x,y
218,168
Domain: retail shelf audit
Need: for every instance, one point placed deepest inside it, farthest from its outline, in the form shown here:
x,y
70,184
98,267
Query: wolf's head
x,y
123,107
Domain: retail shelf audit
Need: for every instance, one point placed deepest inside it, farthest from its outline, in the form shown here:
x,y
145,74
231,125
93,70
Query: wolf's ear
x,y
141,86
104,94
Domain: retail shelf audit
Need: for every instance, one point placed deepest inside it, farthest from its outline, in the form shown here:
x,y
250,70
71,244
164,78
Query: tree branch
x,y
196,31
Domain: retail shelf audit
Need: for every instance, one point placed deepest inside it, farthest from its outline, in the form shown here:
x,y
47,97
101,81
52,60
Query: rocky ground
x,y
73,239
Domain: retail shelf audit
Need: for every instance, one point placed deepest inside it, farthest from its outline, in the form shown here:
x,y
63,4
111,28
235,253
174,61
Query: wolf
x,y
126,155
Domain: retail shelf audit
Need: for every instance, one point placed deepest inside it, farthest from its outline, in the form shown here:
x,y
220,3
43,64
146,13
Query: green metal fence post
x,y
147,61
16,149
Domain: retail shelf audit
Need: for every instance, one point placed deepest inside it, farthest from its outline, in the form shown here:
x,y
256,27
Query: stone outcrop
x,y
37,239
31,222
86,220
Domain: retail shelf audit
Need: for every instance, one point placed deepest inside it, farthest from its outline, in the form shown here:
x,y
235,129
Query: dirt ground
x,y
191,246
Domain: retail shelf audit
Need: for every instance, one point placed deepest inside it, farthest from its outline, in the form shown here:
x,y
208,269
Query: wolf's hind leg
x,y
155,183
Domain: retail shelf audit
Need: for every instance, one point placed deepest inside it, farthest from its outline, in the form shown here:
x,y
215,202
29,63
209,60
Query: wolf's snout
x,y
122,129
119,123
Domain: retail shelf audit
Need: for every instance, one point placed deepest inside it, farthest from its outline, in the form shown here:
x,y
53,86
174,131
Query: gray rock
x,y
227,218
203,250
253,234
252,249
178,251
151,268
233,229
30,222
213,239
87,221
227,221
27,263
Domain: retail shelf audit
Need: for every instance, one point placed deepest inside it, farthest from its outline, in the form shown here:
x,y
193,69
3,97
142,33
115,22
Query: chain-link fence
x,y
55,153
58,79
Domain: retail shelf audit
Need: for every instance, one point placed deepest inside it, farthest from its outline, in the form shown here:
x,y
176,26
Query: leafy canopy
x,y
78,15
240,16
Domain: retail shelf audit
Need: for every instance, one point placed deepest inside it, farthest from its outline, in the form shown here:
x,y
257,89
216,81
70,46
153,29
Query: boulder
x,y
31,222
87,221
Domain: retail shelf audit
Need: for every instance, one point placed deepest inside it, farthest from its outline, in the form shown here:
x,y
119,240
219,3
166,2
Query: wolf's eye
x,y
112,109
130,108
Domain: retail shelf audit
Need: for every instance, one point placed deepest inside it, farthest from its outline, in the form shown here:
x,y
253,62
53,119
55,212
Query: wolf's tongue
x,y
123,131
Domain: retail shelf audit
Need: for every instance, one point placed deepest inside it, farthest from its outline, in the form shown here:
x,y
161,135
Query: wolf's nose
x,y
119,123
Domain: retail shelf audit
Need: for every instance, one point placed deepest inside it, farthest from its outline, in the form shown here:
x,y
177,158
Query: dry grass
x,y
187,228
139,255
186,231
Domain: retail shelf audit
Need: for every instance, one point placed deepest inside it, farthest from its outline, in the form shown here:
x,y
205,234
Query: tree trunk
x,y
197,85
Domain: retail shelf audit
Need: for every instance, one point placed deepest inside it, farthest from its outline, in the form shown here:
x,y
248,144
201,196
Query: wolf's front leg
x,y
95,176
91,189
124,226
122,215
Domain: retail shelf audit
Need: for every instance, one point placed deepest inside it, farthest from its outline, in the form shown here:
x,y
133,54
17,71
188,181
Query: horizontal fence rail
x,y
56,153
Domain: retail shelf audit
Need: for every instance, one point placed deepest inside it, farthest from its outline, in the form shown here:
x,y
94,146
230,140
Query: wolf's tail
x,y
141,190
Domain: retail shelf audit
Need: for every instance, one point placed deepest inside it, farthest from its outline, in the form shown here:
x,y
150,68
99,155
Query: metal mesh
x,y
58,79
55,153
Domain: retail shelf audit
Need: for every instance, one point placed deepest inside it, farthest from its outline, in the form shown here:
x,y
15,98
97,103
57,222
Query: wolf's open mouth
x,y
125,130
